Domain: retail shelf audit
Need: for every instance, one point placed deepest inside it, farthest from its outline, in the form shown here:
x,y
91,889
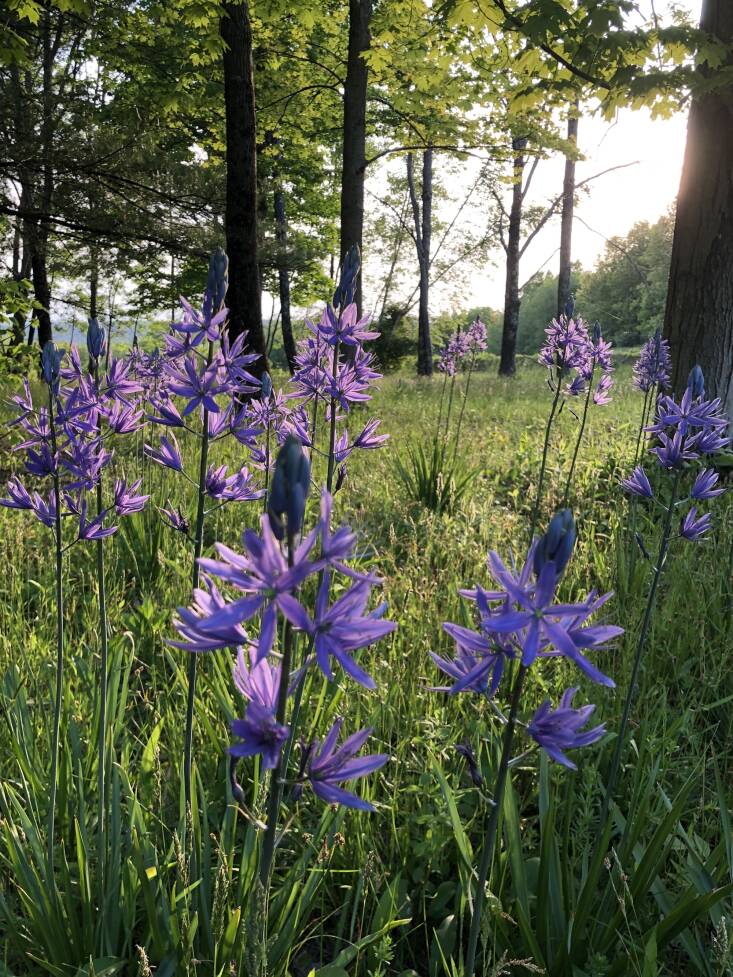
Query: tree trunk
x,y
512,301
244,298
423,231
566,220
281,232
354,135
698,318
93,280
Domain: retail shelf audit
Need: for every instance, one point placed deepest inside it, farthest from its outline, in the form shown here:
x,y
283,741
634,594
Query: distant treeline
x,y
626,292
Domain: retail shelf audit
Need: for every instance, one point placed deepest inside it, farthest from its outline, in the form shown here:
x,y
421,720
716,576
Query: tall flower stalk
x,y
50,366
519,625
686,432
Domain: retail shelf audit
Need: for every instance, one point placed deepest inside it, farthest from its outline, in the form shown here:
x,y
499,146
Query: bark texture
x,y
699,313
564,282
354,134
512,300
281,232
244,295
422,215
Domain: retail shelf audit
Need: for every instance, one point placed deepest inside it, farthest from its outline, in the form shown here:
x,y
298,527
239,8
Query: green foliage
x,y
432,479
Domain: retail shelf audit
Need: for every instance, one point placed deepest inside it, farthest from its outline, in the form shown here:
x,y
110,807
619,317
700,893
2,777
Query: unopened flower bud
x,y
344,293
266,386
217,281
557,544
51,364
95,340
696,382
289,488
596,331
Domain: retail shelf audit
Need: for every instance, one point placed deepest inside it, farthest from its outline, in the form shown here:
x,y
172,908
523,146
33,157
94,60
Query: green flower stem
x,y
103,670
332,430
568,483
197,549
487,855
543,466
59,641
621,735
463,406
277,780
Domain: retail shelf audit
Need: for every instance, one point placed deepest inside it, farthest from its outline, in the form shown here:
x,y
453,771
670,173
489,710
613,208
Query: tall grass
x,y
386,893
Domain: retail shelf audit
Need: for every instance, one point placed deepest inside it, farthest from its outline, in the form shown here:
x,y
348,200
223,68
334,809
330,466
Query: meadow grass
x,y
384,893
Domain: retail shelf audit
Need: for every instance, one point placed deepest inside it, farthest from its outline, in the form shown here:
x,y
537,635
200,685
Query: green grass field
x,y
384,893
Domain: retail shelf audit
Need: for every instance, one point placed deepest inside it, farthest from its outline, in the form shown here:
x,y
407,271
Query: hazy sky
x,y
610,206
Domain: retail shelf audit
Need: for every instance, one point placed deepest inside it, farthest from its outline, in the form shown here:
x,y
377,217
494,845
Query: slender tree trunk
x,y
566,220
699,315
512,301
93,280
423,230
244,298
21,268
281,232
354,135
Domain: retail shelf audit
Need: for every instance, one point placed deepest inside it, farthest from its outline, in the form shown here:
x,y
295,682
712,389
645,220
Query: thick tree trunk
x,y
244,298
566,220
281,233
423,232
512,301
354,135
699,315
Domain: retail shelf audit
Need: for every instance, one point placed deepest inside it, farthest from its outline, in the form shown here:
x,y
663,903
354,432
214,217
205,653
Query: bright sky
x,y
610,206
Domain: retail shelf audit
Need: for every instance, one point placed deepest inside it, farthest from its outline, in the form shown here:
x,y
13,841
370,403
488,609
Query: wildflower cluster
x,y
685,433
462,345
270,575
571,347
66,442
653,368
520,622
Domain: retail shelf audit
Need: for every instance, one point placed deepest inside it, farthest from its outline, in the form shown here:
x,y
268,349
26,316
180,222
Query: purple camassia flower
x,y
117,385
45,509
600,394
346,327
205,604
232,360
694,528
93,528
704,487
561,729
654,366
42,462
368,439
525,622
692,413
18,497
537,622
123,419
85,461
263,574
478,665
347,387
175,518
260,733
166,412
638,483
200,388
477,334
329,766
238,487
126,501
343,628
199,325
169,454
338,546
566,346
